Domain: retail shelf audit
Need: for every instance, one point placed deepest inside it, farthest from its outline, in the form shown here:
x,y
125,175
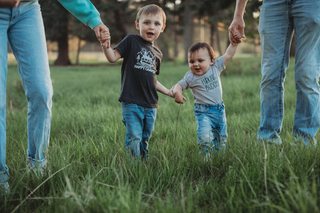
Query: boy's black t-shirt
x,y
141,63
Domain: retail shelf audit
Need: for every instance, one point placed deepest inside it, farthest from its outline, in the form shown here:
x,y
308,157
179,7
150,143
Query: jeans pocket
x,y
200,109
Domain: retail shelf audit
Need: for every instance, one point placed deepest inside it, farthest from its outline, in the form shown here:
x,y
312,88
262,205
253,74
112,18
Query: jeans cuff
x,y
37,163
4,175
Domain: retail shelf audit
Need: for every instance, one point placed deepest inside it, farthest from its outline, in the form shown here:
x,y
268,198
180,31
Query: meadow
x,y
90,171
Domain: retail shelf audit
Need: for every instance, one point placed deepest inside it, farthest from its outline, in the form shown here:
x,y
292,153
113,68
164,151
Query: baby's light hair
x,y
201,45
151,9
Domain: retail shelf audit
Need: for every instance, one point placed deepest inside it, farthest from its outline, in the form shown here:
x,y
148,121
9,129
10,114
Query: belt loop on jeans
x,y
220,105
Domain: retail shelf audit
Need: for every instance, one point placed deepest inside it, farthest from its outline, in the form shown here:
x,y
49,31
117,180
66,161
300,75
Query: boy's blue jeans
x,y
139,122
23,28
212,128
278,19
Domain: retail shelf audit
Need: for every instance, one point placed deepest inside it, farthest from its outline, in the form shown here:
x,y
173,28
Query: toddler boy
x,y
139,85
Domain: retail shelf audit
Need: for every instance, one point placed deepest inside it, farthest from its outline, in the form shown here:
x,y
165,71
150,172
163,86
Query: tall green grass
x,y
90,171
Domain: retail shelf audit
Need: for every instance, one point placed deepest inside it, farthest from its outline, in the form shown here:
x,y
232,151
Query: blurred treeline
x,y
188,21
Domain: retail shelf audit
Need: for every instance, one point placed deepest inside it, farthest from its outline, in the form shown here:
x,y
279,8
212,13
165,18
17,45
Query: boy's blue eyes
x,y
157,24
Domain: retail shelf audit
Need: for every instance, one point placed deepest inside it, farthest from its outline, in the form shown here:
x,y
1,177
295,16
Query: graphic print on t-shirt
x,y
210,82
145,60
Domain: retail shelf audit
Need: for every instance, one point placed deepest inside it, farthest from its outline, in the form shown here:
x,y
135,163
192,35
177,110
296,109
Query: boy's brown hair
x,y
151,9
201,45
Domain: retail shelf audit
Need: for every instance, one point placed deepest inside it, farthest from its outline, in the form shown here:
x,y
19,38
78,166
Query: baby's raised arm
x,y
229,53
112,55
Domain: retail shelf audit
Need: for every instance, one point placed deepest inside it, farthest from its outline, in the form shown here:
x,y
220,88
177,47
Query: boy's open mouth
x,y
149,34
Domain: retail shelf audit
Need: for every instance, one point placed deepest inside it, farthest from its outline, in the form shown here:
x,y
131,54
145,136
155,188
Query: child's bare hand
x,y
237,35
105,36
171,92
179,98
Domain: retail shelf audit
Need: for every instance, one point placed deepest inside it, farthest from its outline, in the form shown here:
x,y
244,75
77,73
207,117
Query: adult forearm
x,y
240,7
237,25
83,10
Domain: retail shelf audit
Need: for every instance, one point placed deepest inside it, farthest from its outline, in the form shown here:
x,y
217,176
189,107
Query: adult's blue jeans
x,y
139,122
23,28
212,128
278,20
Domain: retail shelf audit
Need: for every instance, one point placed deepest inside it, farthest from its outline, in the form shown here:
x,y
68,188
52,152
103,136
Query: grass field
x,y
89,167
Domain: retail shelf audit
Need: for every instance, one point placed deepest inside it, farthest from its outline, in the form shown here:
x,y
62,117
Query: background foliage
x,y
119,16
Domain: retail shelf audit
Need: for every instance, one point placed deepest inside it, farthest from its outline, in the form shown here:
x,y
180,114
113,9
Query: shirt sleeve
x,y
185,82
219,64
124,45
83,10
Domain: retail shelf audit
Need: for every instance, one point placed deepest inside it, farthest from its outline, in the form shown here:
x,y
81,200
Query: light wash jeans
x,y
212,128
139,122
23,28
278,19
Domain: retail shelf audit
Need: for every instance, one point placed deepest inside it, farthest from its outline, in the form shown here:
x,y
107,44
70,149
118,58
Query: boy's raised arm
x,y
229,53
112,55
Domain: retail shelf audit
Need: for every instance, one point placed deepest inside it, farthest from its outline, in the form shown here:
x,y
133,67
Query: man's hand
x,y
9,3
236,27
98,29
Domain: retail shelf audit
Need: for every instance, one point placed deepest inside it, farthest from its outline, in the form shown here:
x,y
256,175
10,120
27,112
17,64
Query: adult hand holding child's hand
x,y
98,30
105,38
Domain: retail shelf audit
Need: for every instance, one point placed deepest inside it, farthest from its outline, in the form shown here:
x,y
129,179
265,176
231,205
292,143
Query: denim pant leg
x,y
149,120
306,22
220,141
275,28
204,129
139,122
27,40
4,25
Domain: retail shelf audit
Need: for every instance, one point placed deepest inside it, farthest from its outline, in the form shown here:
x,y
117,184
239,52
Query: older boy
x,y
139,85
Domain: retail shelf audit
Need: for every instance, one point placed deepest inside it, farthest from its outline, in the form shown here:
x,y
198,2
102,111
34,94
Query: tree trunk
x,y
293,46
120,23
63,51
218,41
176,40
78,51
63,45
188,29
163,44
201,26
212,35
